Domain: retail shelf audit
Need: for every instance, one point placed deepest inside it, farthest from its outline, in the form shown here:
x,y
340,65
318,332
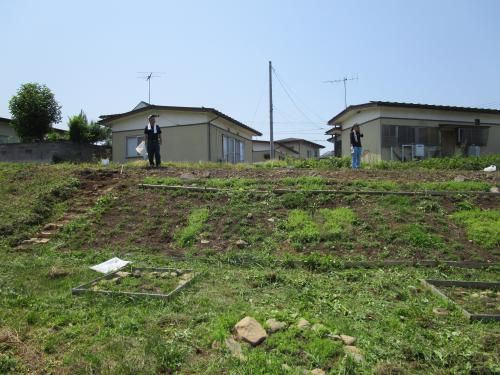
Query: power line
x,y
289,95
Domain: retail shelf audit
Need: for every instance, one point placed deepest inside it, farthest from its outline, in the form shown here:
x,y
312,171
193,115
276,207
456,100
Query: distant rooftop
x,y
299,140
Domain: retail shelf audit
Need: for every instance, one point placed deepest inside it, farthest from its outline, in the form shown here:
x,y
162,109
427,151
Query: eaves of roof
x,y
356,107
106,119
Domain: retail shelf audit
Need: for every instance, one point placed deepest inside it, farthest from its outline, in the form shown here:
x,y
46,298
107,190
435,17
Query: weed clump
x,y
195,225
301,228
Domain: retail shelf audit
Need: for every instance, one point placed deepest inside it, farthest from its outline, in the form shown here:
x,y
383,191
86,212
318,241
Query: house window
x,y
132,143
309,154
233,150
473,136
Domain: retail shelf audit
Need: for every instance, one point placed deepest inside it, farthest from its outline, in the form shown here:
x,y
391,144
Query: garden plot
x,y
477,300
141,282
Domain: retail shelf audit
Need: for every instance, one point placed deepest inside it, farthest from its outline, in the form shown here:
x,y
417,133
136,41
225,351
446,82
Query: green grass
x,y
196,222
336,223
483,227
301,228
419,236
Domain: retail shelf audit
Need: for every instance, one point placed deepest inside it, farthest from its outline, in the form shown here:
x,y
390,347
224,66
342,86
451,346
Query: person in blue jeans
x,y
356,146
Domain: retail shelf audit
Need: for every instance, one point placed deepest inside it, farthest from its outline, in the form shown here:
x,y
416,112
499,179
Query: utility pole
x,y
345,79
271,154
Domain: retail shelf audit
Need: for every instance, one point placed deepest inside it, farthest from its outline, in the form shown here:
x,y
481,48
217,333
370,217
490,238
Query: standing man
x,y
356,146
152,138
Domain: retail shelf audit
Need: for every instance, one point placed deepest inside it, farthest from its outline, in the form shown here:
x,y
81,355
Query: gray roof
x,y
108,118
411,105
299,140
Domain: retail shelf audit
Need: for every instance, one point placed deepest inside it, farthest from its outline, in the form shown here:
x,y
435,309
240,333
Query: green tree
x,y
34,109
81,131
78,128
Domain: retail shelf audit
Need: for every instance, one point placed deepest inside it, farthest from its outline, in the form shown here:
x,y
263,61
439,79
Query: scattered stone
x,y
274,325
44,234
215,345
335,337
317,371
414,289
188,176
303,324
56,272
285,367
249,215
204,242
137,273
235,348
354,352
474,295
241,244
116,280
52,226
122,274
271,219
494,189
40,240
459,178
249,330
186,276
205,174
440,311
348,340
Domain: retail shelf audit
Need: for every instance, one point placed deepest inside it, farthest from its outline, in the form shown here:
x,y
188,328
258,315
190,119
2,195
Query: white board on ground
x,y
110,265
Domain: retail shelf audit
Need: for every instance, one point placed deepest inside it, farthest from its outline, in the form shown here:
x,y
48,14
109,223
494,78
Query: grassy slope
x,y
43,328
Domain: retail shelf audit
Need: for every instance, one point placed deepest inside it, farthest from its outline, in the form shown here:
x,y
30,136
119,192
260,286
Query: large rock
x,y
249,330
274,325
317,371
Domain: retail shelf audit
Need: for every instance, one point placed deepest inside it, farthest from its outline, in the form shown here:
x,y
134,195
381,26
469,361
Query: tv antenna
x,y
148,76
345,79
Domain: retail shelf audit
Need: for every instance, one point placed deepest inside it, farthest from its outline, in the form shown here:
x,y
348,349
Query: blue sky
x,y
216,53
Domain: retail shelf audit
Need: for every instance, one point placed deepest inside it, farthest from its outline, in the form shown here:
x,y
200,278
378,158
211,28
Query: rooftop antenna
x,y
345,79
147,76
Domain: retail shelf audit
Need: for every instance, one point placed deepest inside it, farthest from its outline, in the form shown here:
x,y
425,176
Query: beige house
x,y
262,151
189,134
305,149
407,131
7,132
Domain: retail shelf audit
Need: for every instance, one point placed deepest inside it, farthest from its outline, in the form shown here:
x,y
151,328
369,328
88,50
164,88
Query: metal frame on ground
x,y
85,288
433,285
